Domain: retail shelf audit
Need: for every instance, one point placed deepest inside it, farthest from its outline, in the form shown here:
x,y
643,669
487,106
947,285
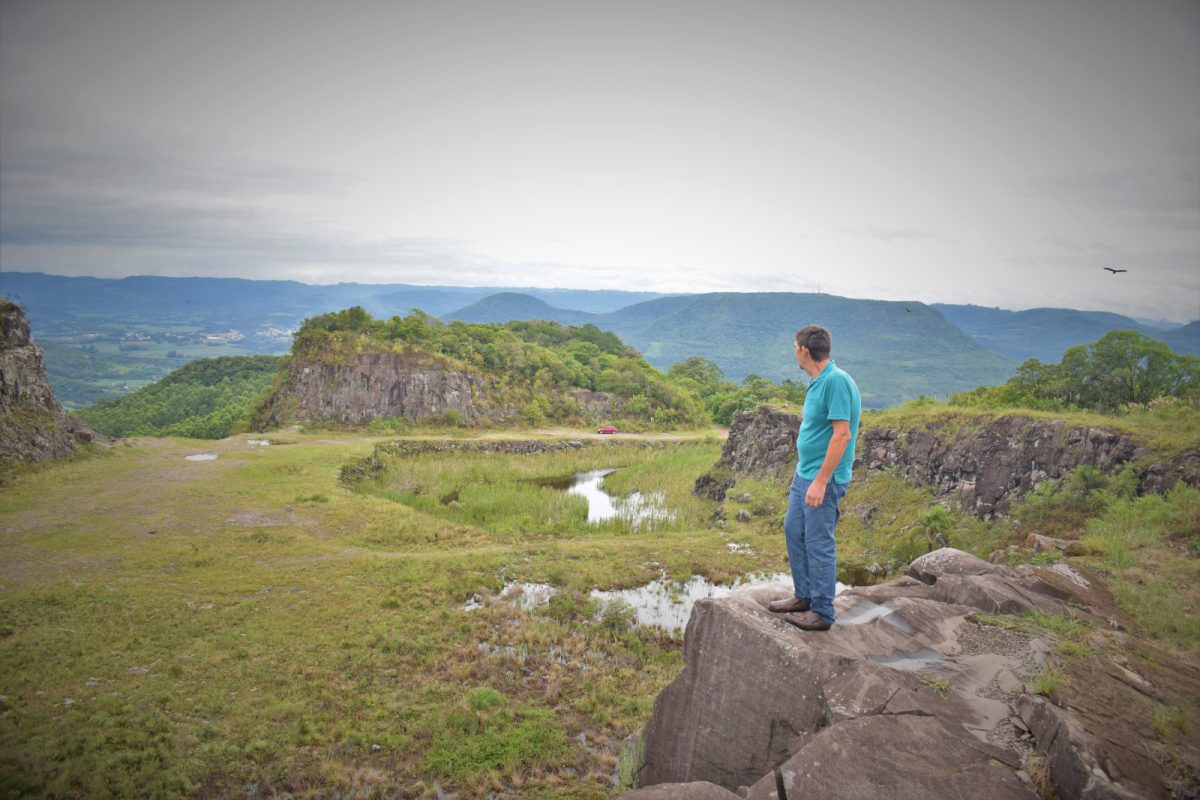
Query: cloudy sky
x,y
999,153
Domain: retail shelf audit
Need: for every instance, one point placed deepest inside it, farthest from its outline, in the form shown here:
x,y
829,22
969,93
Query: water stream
x,y
639,510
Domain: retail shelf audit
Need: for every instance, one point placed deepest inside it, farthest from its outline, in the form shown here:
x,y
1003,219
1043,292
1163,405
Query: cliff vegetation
x,y
517,372
205,399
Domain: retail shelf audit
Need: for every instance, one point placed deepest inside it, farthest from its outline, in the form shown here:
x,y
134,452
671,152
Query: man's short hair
x,y
816,339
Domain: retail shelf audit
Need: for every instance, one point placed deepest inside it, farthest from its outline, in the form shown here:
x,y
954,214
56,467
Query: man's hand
x,y
833,454
815,494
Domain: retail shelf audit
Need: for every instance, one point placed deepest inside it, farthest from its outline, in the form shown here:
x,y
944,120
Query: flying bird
x,y
1115,271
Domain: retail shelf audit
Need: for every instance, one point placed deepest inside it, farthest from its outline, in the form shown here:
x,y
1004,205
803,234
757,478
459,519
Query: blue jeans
x,y
811,550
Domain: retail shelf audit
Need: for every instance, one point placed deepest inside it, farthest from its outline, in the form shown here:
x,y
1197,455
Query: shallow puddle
x,y
527,595
916,661
663,603
668,604
866,610
202,457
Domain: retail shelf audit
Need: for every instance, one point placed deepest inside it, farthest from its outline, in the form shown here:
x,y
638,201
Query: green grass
x,y
1165,429
1035,623
881,523
173,628
1145,549
511,497
1049,681
937,683
177,629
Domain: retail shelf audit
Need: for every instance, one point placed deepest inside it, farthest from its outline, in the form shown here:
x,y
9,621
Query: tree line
x,y
1122,370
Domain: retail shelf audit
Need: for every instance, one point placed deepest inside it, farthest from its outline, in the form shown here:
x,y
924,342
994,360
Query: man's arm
x,y
833,454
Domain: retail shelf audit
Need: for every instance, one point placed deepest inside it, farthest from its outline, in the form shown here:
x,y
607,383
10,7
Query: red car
x,y
607,429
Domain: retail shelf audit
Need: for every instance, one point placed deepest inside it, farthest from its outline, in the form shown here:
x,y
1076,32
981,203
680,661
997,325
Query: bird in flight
x,y
1115,271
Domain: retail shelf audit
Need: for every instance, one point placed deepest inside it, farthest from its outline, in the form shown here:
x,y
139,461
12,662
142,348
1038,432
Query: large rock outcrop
x,y
760,443
355,388
33,426
908,696
984,470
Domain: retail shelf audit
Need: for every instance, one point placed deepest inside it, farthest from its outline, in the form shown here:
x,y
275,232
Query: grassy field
x,y
248,626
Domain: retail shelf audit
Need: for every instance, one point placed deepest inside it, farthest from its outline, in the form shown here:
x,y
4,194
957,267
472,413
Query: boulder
x,y
948,561
908,697
697,790
1048,544
1075,757
754,687
897,756
761,443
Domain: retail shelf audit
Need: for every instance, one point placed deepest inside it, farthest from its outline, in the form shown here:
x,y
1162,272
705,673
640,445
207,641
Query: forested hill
x,y
349,368
895,350
206,399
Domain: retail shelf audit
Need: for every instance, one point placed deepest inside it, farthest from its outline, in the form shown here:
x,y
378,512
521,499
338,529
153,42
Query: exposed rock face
x,y
761,442
597,406
987,470
360,387
906,697
984,471
33,425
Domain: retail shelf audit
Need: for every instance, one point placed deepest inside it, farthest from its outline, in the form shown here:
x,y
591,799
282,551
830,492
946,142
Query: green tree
x,y
698,373
1126,367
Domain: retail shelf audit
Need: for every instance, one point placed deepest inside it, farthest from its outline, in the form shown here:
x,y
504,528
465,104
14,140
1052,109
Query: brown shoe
x,y
788,604
808,621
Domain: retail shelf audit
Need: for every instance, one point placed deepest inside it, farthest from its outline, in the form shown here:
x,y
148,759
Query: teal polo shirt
x,y
832,395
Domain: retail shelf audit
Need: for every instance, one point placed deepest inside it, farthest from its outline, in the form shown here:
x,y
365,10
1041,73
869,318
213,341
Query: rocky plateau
x,y
918,692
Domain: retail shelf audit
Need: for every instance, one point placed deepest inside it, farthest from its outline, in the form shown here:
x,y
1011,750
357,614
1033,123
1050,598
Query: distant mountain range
x,y
1046,333
57,302
897,350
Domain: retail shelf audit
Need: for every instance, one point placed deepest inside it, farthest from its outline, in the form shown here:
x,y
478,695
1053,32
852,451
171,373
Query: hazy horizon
x,y
1000,155
1152,321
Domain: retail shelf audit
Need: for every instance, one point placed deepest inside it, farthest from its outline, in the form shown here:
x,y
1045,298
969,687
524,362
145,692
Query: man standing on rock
x,y
825,445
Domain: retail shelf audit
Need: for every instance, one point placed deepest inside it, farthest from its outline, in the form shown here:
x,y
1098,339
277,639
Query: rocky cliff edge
x,y
920,691
984,472
33,426
355,388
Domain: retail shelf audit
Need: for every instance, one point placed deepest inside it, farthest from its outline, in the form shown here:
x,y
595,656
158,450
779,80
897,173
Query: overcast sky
x,y
999,153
